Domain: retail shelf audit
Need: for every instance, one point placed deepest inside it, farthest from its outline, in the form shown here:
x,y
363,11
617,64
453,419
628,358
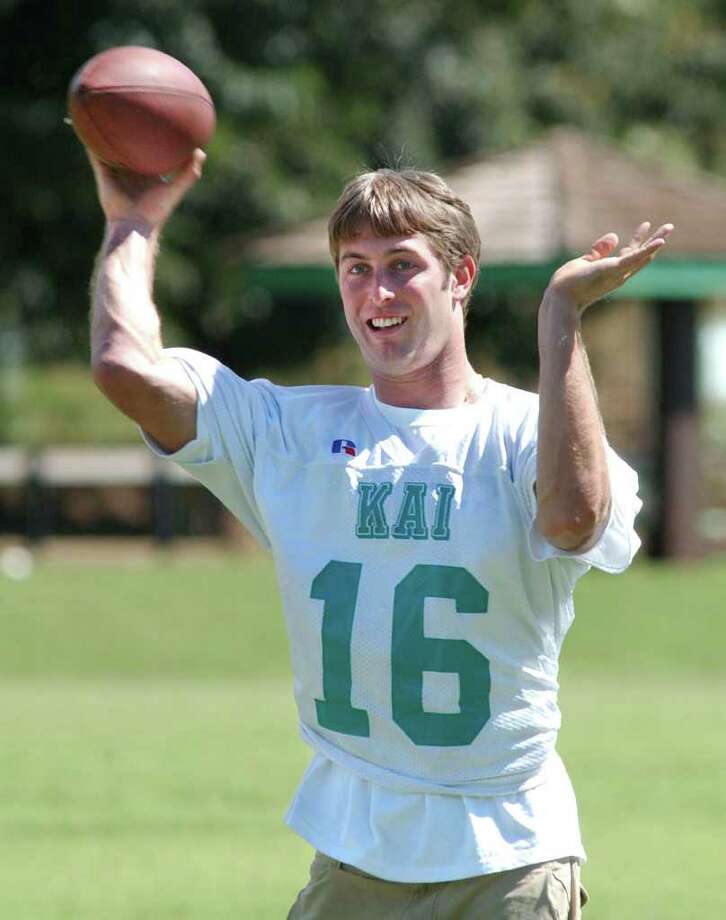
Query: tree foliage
x,y
309,92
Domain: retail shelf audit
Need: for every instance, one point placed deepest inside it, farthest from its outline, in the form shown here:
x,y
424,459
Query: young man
x,y
427,532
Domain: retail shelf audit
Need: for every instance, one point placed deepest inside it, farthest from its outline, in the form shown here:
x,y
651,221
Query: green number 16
x,y
412,653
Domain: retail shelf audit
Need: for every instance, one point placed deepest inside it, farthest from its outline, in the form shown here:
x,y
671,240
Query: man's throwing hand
x,y
147,200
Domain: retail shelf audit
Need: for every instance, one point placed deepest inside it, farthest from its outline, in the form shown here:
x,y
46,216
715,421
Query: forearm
x,y
127,358
129,366
573,491
125,326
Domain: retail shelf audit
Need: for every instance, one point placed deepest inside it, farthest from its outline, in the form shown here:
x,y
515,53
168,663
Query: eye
x,y
403,265
358,268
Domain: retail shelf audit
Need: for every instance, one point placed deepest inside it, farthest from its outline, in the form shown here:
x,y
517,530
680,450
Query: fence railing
x,y
38,472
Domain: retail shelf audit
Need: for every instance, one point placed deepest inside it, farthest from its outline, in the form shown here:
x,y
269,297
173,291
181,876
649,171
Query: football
x,y
140,109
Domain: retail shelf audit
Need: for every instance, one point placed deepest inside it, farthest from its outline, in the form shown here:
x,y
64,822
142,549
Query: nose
x,y
381,293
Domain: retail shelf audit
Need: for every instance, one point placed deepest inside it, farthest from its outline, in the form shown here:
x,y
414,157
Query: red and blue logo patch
x,y
341,446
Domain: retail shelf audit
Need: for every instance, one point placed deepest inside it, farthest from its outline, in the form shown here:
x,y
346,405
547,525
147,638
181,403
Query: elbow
x,y
576,528
120,380
109,374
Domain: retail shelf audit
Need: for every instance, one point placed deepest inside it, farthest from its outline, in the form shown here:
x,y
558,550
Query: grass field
x,y
149,743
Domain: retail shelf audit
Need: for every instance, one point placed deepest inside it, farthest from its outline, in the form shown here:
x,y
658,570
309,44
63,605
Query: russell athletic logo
x,y
341,446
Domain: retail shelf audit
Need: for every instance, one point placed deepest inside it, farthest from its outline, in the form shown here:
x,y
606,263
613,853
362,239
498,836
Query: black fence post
x,y
677,457
38,504
163,508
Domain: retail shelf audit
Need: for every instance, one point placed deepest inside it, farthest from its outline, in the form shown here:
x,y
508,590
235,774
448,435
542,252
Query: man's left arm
x,y
573,485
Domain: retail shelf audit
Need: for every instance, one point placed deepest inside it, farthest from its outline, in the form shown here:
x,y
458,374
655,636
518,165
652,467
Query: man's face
x,y
398,302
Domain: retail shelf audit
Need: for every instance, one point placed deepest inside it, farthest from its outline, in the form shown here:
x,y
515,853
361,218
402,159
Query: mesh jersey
x,y
424,612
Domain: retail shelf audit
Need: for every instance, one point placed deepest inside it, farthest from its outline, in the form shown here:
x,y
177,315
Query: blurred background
x,y
145,706
557,119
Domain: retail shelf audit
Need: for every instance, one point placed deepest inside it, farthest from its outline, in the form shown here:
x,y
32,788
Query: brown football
x,y
140,109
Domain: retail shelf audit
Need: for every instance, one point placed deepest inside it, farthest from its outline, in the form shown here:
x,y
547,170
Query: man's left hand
x,y
597,273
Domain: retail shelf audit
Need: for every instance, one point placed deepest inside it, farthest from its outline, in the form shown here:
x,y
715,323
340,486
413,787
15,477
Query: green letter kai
x,y
410,524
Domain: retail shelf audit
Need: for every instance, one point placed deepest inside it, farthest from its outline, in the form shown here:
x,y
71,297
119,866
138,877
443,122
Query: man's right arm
x,y
127,356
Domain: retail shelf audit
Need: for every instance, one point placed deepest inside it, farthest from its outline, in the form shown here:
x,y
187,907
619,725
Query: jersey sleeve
x,y
618,543
233,420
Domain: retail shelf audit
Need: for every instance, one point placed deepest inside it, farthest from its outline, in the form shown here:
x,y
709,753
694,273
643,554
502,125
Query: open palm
x,y
597,273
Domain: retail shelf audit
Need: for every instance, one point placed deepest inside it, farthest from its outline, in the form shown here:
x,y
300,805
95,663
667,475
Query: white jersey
x,y
425,613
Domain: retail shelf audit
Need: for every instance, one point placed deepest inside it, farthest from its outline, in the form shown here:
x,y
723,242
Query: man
x,y
427,533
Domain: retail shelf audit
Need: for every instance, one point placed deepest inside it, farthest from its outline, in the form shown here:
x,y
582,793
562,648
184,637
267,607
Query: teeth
x,y
382,322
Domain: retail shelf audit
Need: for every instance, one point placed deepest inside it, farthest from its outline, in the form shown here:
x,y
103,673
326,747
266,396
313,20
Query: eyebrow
x,y
387,252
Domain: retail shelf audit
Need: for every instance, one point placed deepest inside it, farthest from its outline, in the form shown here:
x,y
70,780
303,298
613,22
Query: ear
x,y
463,278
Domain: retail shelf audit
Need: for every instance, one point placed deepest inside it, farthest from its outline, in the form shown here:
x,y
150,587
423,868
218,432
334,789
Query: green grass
x,y
149,743
59,404
169,619
647,760
148,799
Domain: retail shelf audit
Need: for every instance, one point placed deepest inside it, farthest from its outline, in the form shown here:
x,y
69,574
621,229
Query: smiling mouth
x,y
386,322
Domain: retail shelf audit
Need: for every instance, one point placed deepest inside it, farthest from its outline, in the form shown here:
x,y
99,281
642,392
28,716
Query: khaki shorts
x,y
337,891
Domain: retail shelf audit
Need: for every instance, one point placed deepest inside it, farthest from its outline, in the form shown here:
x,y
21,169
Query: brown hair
x,y
402,202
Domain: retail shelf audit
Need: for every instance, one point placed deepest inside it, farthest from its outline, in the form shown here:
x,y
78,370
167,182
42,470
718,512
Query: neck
x,y
447,386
